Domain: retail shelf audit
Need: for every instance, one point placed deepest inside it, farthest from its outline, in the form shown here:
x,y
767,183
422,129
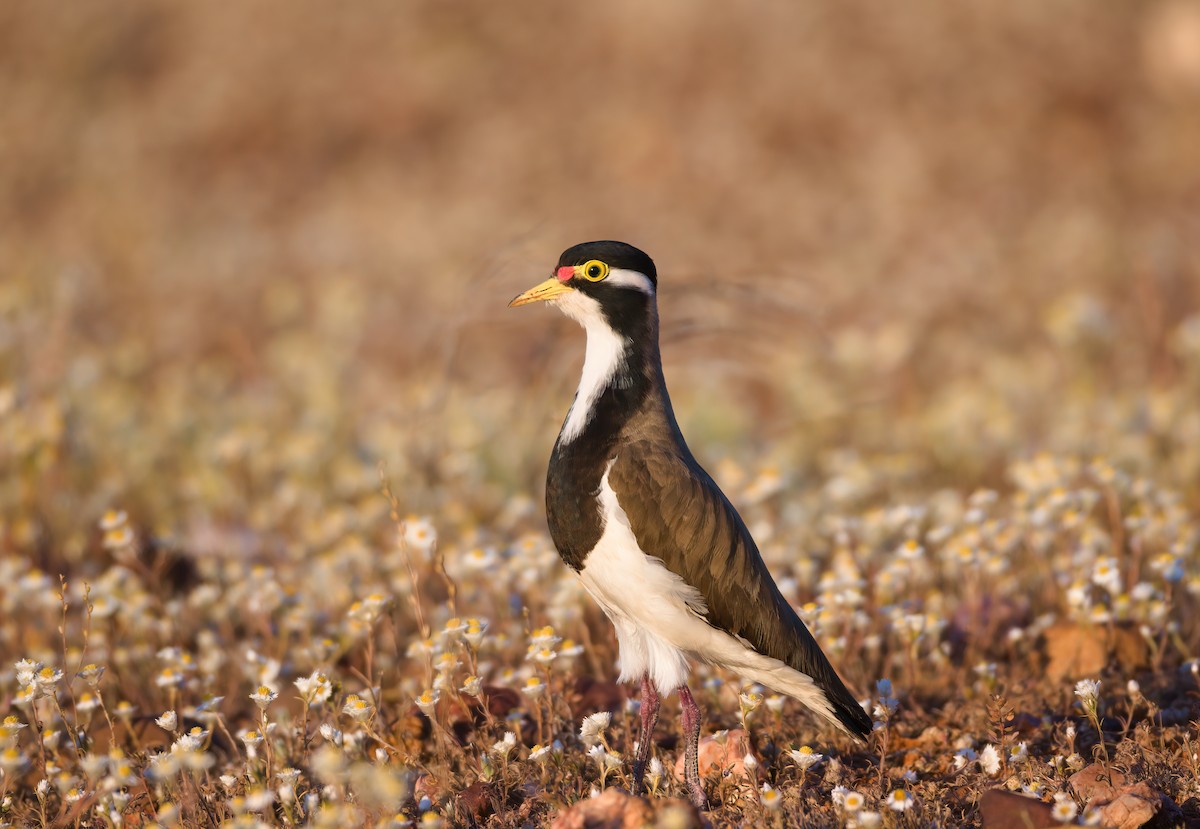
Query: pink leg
x,y
649,711
691,737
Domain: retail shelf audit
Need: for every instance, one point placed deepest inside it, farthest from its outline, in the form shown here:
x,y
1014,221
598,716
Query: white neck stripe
x,y
604,358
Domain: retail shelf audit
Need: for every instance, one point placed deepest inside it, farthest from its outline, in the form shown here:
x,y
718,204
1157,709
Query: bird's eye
x,y
594,270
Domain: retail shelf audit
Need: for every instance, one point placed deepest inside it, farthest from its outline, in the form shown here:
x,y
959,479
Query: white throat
x,y
604,358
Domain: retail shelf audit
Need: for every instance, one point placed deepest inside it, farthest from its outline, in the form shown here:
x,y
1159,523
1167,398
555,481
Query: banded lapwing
x,y
651,536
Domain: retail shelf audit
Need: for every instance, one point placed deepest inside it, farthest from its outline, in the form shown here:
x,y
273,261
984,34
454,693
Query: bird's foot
x,y
697,796
649,711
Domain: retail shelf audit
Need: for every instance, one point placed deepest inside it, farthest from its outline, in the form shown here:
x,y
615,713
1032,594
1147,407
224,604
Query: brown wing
x,y
678,514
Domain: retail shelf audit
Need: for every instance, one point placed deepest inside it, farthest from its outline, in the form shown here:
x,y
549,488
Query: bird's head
x,y
600,282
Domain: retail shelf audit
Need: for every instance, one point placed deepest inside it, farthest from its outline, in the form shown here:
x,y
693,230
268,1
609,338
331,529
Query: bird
x,y
651,536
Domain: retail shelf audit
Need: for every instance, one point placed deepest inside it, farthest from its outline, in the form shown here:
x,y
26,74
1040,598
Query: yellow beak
x,y
541,292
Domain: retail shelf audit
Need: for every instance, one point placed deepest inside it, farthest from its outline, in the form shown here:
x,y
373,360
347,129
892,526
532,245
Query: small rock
x,y
1005,810
726,756
1076,651
1118,804
611,809
1096,783
1133,807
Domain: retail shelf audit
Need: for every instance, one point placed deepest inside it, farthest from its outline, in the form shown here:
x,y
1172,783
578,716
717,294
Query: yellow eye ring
x,y
593,270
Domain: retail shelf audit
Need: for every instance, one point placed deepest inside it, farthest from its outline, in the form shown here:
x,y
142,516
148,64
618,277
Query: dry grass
x,y
930,299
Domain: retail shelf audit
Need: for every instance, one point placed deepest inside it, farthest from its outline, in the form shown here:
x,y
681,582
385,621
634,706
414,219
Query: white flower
x,y
749,701
544,638
868,820
360,710
1065,809
539,752
805,758
964,756
852,801
264,696
1088,691
655,772
504,747
419,535
533,687
113,520
591,730
314,688
771,798
428,701
899,801
1106,575
331,734
169,721
26,672
472,686
91,674
989,760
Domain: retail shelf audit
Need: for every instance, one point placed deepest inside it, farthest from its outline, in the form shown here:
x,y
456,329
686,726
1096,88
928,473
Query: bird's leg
x,y
691,737
649,710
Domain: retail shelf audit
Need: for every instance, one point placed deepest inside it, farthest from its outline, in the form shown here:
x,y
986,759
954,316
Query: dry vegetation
x,y
271,447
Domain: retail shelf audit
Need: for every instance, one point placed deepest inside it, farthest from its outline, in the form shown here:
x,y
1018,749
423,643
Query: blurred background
x,y
257,248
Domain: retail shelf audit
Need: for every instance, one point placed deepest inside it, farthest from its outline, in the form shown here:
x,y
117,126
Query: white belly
x,y
659,618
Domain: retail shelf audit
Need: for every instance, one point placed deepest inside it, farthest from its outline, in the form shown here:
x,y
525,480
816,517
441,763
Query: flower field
x,y
272,543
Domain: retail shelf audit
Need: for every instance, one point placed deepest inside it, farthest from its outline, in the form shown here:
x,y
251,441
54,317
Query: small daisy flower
x,y
473,636
749,701
591,730
544,637
502,748
543,656
481,558
331,734
453,627
446,662
899,801
533,687
655,773
264,696
805,758
472,686
539,752
989,760
853,801
169,678
1088,691
113,519
770,797
1064,810
315,688
46,679
428,701
419,535
169,721
359,710
91,674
